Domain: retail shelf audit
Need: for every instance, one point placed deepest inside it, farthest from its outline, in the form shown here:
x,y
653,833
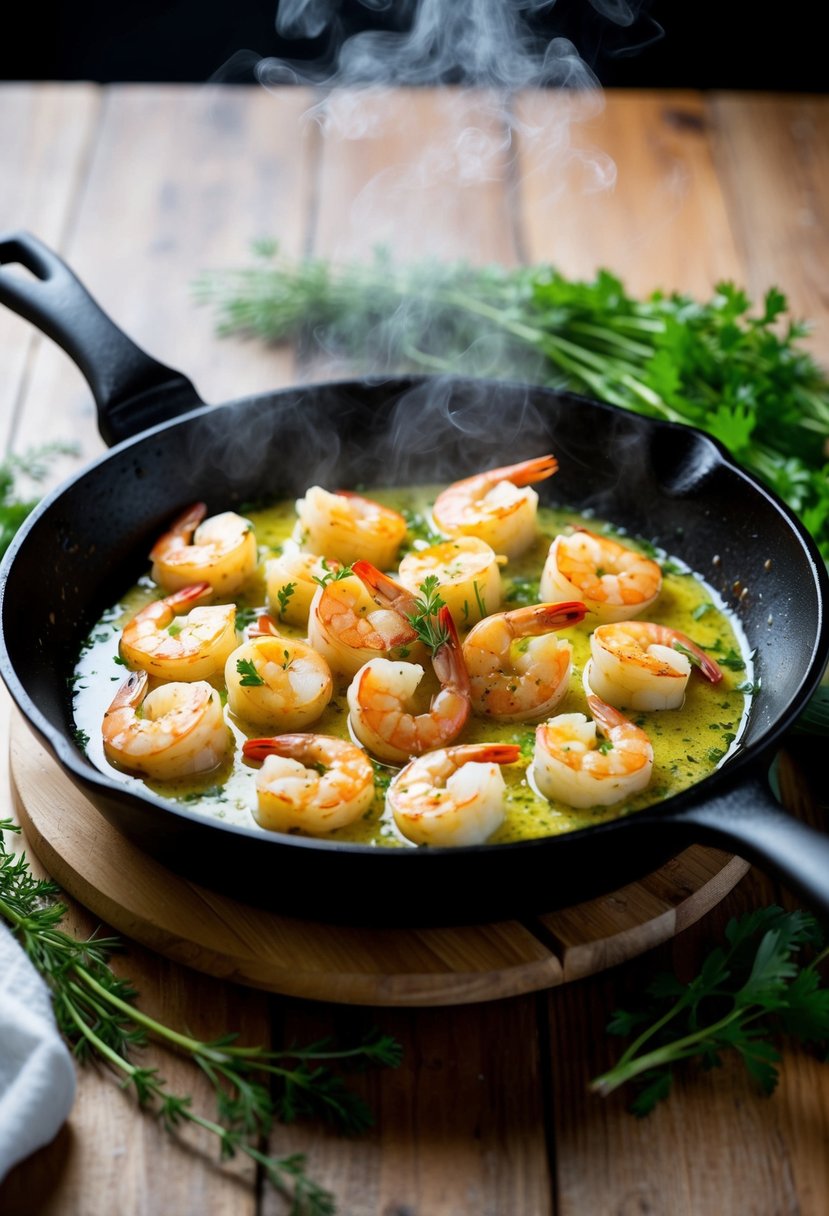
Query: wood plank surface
x,y
46,136
631,187
142,188
772,158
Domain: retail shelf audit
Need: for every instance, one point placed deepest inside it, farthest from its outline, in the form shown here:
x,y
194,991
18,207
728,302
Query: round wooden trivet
x,y
223,937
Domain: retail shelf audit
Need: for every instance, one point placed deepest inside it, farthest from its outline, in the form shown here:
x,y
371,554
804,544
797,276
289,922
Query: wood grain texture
x,y
46,136
772,157
460,1127
180,181
625,183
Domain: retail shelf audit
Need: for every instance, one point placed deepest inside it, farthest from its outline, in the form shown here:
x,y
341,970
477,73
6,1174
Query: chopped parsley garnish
x,y
250,676
284,595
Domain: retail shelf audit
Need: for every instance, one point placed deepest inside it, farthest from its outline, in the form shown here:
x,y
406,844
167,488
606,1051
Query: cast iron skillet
x,y
88,542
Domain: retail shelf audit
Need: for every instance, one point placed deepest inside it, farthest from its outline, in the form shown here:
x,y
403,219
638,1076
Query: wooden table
x,y
141,188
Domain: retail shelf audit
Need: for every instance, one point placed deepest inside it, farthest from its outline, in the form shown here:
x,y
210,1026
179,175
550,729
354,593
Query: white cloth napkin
x,y
37,1075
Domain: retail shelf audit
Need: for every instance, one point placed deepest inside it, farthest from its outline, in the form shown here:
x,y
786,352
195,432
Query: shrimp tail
x,y
131,692
448,661
605,716
546,618
707,667
183,526
526,472
265,627
384,590
179,600
274,745
493,753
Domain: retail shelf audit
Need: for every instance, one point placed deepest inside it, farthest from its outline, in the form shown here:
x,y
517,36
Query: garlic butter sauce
x,y
688,743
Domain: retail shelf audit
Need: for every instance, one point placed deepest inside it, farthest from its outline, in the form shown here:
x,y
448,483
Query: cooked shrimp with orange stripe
x,y
310,783
498,506
640,665
614,582
418,659
179,639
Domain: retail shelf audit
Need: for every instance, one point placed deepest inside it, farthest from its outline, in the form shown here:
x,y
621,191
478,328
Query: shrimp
x,y
381,694
571,766
518,669
291,581
220,551
639,665
192,647
497,506
347,627
614,582
348,527
452,796
310,783
181,728
468,574
277,681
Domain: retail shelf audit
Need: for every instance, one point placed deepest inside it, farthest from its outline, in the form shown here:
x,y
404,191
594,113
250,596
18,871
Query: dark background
x,y
705,44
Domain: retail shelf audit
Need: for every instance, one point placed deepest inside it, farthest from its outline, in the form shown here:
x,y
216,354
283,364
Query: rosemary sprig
x,y
253,1086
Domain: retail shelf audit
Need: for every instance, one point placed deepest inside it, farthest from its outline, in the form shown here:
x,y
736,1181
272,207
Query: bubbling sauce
x,y
688,743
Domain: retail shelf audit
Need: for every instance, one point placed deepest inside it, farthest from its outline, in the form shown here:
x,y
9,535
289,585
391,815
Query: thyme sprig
x,y
425,619
253,1087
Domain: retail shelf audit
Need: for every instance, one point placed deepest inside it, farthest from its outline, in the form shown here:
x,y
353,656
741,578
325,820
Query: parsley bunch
x,y
747,993
253,1087
737,371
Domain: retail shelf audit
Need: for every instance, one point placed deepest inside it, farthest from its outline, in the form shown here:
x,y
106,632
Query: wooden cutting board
x,y
145,901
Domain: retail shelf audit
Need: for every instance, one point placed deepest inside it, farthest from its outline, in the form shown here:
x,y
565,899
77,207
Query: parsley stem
x,y
679,1049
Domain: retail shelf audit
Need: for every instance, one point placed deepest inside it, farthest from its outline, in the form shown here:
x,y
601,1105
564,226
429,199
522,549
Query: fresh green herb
x,y
174,630
284,595
81,738
522,591
287,656
739,372
253,1087
480,601
245,616
34,465
701,609
420,528
526,741
732,660
331,576
692,658
250,676
424,619
605,746
746,994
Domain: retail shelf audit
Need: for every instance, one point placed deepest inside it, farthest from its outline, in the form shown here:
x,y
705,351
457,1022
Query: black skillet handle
x,y
747,819
132,391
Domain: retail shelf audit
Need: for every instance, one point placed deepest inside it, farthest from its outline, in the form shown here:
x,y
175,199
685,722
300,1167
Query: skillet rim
x,y
88,775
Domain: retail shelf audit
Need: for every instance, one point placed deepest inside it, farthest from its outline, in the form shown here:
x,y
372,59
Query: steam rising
x,y
491,53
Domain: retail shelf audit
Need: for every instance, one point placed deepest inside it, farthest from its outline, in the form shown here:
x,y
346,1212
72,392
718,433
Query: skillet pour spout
x,y
670,483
